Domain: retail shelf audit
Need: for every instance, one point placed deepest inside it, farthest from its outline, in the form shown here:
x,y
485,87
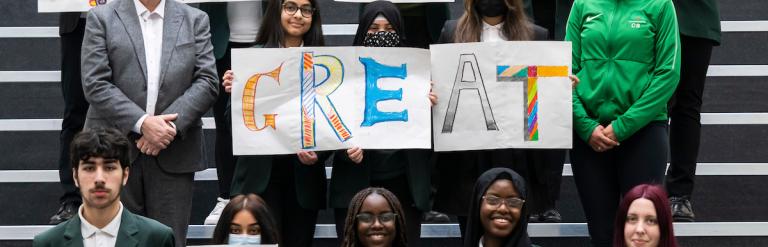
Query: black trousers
x,y
225,161
296,224
685,115
75,107
545,172
602,178
400,187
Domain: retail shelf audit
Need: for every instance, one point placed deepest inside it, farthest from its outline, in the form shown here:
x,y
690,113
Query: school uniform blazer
x,y
348,178
135,231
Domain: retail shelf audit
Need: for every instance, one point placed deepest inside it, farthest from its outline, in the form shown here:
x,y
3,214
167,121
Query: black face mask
x,y
491,8
381,39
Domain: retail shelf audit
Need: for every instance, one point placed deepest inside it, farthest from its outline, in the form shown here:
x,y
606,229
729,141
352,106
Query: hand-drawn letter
x,y
474,82
249,97
529,76
310,89
373,94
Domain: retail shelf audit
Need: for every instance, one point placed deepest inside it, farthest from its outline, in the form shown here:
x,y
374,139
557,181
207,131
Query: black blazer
x,y
446,36
68,21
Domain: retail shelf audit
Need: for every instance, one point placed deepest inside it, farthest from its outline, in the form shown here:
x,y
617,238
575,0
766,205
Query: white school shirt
x,y
492,33
107,236
244,20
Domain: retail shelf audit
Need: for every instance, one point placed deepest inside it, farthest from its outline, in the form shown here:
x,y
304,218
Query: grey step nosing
x,y
697,229
745,118
348,29
702,169
55,75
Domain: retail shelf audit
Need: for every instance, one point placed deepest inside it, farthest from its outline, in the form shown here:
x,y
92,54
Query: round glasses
x,y
511,202
291,8
368,218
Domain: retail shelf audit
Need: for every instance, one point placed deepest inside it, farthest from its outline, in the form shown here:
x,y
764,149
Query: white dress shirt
x,y
152,34
106,236
244,21
492,33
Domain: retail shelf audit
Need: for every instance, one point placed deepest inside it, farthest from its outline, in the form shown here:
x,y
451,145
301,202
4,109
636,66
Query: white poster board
x,y
502,95
85,5
290,99
399,1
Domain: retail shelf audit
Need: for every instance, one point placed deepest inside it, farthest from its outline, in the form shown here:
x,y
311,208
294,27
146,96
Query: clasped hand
x,y
157,133
603,138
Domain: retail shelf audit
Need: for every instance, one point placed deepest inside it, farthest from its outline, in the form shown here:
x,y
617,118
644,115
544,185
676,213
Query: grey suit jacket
x,y
114,73
135,231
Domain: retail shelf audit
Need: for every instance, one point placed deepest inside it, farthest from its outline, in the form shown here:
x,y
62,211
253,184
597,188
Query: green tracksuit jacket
x,y
627,55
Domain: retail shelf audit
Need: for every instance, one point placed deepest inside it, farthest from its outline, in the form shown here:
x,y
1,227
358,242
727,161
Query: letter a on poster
x,y
502,95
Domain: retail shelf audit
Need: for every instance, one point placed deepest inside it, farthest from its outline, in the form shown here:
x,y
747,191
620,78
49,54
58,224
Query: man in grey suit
x,y
148,70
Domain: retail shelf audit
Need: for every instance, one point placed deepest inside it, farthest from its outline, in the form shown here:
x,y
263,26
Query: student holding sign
x,y
404,172
292,185
482,21
628,56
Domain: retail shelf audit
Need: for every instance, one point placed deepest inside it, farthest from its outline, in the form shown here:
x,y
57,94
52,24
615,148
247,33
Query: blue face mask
x,y
242,239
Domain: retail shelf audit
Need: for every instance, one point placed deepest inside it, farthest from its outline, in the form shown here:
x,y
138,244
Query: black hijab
x,y
519,235
373,9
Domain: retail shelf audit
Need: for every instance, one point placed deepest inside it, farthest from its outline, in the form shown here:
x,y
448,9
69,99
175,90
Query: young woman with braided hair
x,y
375,219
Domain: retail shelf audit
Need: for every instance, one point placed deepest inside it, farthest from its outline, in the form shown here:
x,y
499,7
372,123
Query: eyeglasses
x,y
368,218
512,202
291,8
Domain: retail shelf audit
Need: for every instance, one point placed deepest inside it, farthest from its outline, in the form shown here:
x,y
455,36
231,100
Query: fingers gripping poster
x,y
502,95
290,99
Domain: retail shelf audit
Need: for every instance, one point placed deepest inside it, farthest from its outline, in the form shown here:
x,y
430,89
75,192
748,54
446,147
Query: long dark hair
x,y
258,208
516,24
271,33
373,9
658,196
350,228
475,230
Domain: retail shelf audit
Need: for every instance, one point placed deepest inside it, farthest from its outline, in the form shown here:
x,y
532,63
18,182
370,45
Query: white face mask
x,y
243,239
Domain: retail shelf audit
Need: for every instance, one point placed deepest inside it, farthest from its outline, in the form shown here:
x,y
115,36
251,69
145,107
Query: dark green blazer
x,y
135,231
348,178
252,175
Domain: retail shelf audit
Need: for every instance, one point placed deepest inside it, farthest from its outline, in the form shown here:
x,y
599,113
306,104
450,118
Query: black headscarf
x,y
373,9
519,235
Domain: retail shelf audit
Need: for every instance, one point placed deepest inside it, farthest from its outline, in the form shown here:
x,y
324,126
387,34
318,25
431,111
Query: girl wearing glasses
x,y
374,219
644,219
498,215
405,173
292,185
482,21
246,220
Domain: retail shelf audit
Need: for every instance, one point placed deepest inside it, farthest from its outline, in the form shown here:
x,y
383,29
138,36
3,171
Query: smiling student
x,y
375,218
100,167
498,215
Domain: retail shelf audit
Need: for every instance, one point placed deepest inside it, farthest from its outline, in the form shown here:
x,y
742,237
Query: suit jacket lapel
x,y
73,237
171,26
128,230
127,14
